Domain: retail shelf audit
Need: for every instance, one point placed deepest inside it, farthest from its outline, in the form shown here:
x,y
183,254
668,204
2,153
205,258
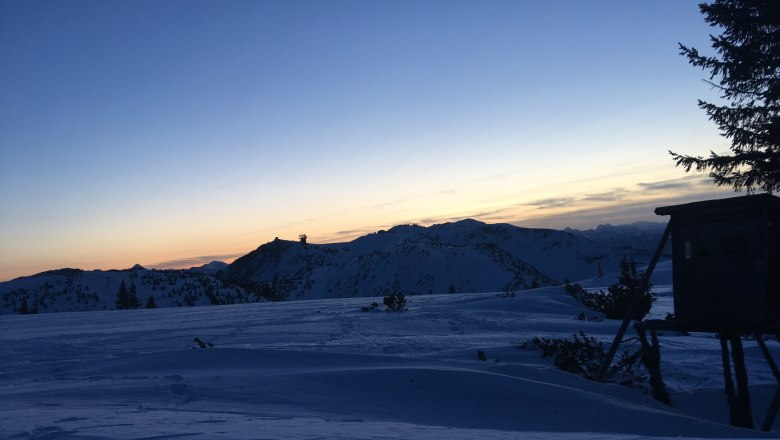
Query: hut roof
x,y
723,205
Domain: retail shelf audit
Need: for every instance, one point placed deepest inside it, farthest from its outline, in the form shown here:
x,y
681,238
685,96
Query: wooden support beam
x,y
768,356
660,392
651,358
738,397
731,398
743,393
635,301
769,419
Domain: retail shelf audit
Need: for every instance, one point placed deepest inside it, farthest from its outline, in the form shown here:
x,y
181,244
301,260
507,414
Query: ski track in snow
x,y
326,369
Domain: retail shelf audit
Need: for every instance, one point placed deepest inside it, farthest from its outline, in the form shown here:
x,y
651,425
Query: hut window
x,y
734,245
696,249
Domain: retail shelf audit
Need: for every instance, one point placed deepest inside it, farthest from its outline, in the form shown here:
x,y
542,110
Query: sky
x,y
172,133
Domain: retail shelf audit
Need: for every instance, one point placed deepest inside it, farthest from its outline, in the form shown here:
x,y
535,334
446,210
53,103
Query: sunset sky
x,y
170,133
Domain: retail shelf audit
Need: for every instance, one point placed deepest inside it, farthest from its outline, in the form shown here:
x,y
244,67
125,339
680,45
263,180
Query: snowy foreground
x,y
326,369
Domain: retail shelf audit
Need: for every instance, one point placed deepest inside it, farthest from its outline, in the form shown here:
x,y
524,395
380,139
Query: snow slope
x,y
326,369
73,290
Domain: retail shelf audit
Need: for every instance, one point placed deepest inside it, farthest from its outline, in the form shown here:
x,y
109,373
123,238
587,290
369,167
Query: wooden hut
x,y
726,262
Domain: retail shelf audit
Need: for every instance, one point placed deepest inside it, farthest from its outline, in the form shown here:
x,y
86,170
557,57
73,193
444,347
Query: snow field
x,y
326,369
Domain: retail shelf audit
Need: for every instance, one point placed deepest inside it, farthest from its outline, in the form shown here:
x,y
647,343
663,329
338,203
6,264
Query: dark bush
x,y
373,306
584,355
616,301
395,302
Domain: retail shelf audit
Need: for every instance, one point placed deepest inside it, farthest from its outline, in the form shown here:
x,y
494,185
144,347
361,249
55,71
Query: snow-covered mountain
x,y
75,290
211,268
638,236
465,256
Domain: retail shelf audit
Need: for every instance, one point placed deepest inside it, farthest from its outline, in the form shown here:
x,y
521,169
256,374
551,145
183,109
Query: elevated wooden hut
x,y
726,277
726,262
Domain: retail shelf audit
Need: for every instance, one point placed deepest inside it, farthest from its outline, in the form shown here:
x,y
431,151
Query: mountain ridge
x,y
456,257
463,256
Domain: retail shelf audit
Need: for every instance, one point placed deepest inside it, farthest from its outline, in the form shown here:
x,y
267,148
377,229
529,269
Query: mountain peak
x,y
407,227
210,268
469,222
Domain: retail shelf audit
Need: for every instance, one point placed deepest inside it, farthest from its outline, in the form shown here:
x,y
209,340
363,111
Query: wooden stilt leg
x,y
767,356
659,386
743,393
772,413
729,384
651,358
775,406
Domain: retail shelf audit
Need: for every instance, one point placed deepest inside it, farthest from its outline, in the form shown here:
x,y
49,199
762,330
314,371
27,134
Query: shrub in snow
x,y
584,355
615,302
373,306
583,317
202,344
508,293
574,290
395,302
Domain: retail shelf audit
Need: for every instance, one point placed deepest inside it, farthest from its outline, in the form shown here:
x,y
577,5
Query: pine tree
x,y
132,297
622,293
746,71
122,296
24,308
150,303
616,301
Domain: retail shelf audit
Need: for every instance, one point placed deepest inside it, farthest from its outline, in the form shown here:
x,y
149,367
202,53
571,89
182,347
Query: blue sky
x,y
162,132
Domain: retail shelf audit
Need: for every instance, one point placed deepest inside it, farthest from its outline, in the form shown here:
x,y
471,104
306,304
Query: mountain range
x,y
459,257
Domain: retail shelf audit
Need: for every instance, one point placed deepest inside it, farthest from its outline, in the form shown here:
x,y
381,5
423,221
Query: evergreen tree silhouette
x,y
23,307
132,297
746,71
122,296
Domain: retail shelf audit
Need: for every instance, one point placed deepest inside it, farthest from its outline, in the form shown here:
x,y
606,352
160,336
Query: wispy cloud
x,y
617,205
447,191
194,261
626,207
45,218
622,195
613,195
349,234
390,203
496,176
676,184
553,202
591,216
